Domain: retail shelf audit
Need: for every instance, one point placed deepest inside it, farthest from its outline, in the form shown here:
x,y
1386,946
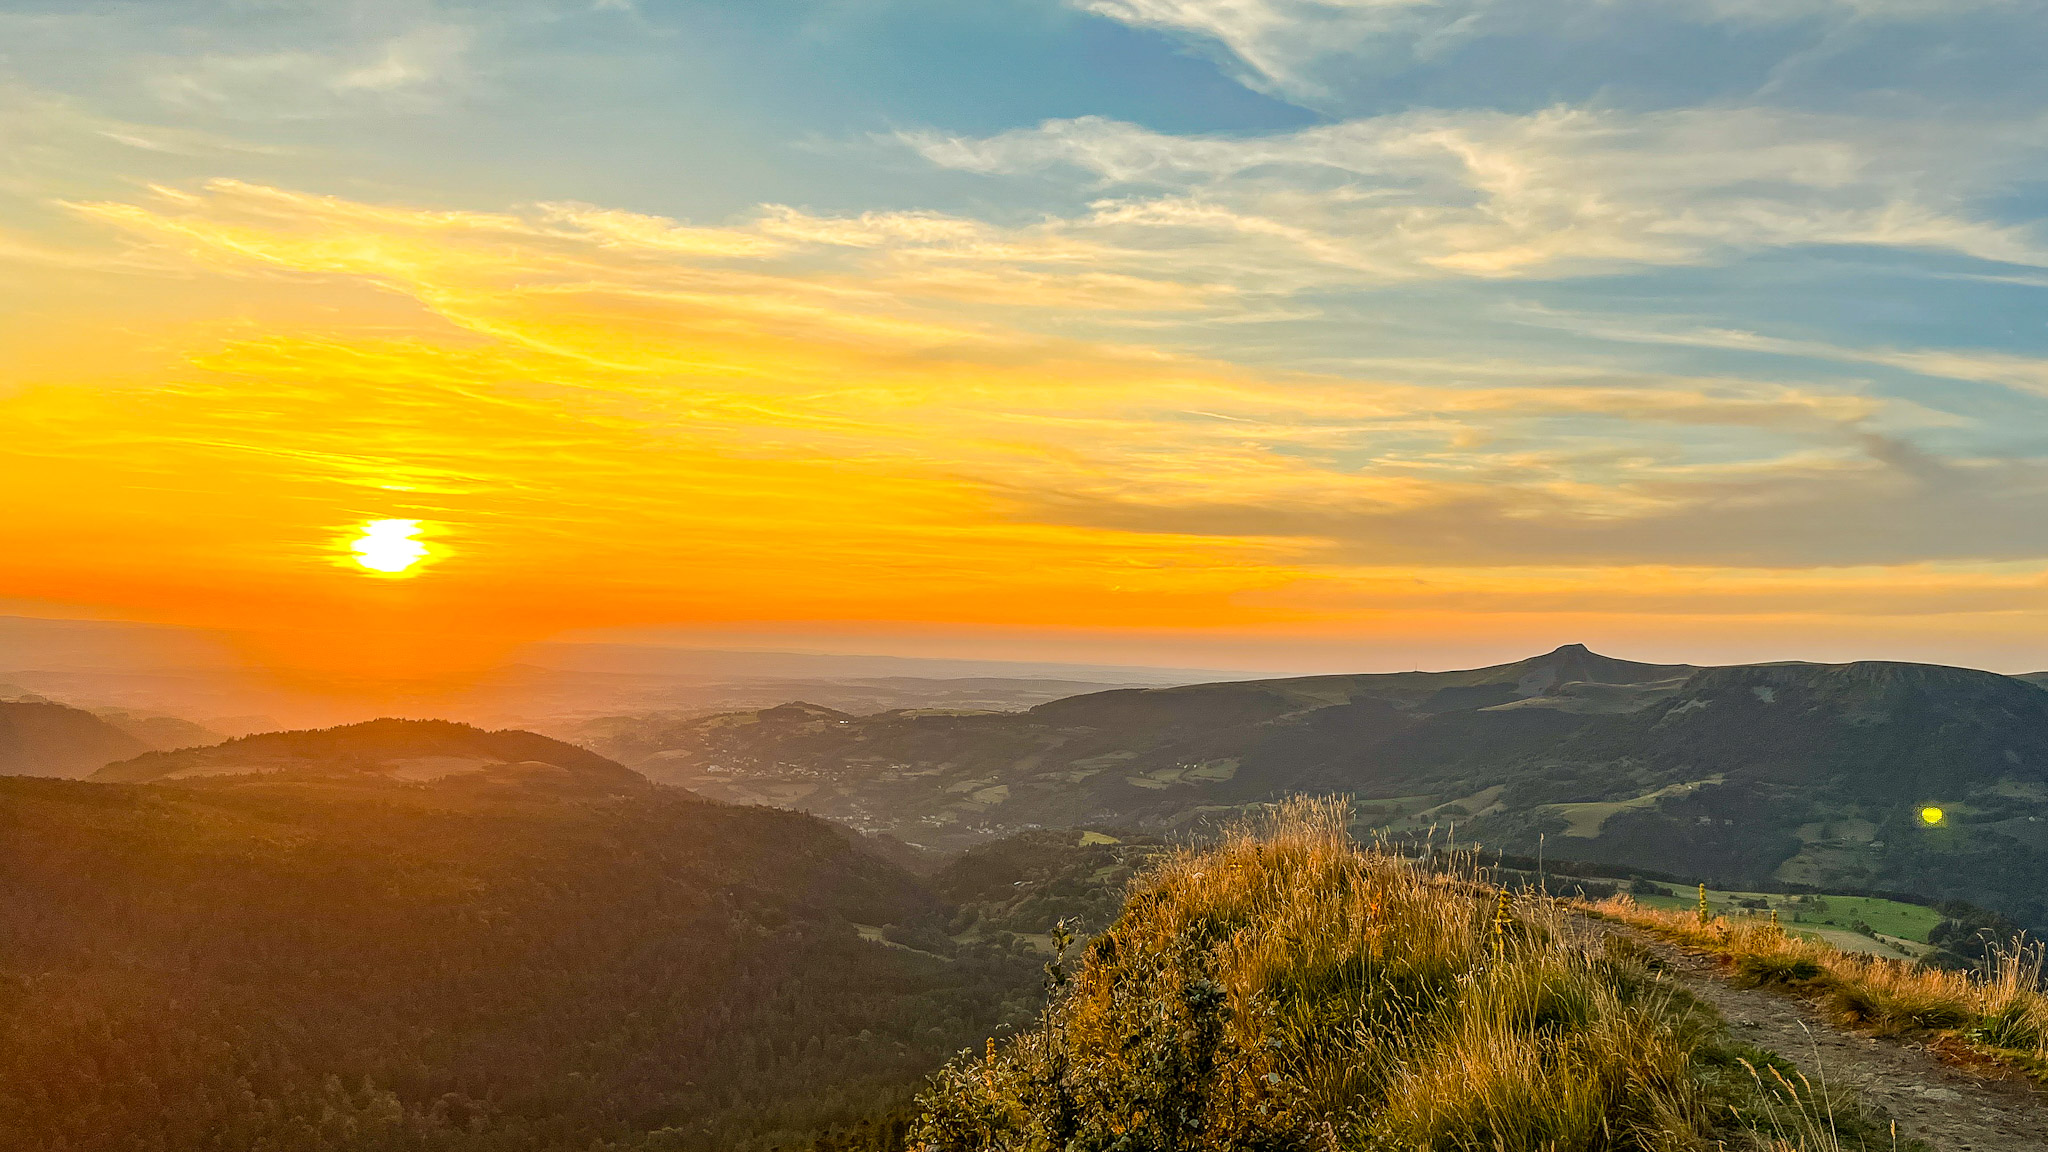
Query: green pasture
x,y
1890,917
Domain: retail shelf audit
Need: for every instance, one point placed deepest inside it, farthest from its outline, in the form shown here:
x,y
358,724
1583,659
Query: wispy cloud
x,y
747,342
1302,48
1560,192
2026,374
413,69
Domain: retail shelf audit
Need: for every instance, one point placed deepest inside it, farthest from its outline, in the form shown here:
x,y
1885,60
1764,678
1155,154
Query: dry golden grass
x,y
2003,1015
1288,990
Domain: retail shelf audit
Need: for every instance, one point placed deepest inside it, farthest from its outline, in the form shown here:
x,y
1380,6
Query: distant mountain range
x,y
1791,773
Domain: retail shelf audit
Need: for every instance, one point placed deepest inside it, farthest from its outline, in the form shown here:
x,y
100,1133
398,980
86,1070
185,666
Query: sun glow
x,y
391,547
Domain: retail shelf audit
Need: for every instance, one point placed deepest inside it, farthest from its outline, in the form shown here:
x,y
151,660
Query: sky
x,y
1294,335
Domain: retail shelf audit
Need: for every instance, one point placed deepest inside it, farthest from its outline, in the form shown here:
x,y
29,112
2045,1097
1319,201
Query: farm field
x,y
1830,917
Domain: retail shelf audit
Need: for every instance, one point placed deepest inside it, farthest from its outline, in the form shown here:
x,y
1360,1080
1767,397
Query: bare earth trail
x,y
1953,1110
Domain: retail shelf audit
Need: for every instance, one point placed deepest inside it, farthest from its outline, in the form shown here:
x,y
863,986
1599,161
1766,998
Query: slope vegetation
x,y
469,965
1287,991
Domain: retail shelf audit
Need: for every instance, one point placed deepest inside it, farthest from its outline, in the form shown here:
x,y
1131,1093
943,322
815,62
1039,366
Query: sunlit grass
x,y
1288,989
2002,1013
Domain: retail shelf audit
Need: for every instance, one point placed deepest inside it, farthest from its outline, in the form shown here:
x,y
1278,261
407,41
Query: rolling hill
x,y
313,964
41,738
1776,773
416,750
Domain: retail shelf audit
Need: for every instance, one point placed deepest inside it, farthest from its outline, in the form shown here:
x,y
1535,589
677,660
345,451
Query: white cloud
x,y
1486,194
1281,44
2026,374
1277,41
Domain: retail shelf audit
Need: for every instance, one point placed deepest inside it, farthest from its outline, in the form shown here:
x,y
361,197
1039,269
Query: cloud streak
x,y
1300,49
1565,191
411,70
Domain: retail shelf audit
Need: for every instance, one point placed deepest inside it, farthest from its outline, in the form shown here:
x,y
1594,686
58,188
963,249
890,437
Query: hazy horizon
x,y
196,676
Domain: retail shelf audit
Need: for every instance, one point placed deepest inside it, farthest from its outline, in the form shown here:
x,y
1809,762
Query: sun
x,y
390,547
1931,815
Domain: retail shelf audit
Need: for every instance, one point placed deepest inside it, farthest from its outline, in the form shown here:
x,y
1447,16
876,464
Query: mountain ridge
x,y
398,749
1782,772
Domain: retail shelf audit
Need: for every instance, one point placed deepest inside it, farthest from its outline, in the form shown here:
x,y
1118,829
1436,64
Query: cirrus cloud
x,y
1301,48
1559,192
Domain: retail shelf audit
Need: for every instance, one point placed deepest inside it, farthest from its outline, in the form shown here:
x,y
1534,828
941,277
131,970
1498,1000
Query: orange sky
x,y
606,420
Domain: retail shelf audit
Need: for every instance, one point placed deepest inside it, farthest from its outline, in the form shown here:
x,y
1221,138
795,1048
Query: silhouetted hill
x,y
1779,773
40,738
395,749
159,732
354,963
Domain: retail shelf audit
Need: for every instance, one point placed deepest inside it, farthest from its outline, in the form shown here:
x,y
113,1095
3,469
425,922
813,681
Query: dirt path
x,y
1951,1109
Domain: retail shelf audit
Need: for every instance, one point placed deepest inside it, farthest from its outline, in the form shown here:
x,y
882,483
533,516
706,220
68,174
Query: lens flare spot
x,y
391,547
1931,815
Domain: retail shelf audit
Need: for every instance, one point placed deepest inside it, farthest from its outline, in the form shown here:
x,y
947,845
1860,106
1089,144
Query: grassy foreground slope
x,y
1288,991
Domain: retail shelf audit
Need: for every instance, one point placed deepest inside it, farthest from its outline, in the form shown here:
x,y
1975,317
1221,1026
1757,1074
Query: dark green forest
x,y
299,965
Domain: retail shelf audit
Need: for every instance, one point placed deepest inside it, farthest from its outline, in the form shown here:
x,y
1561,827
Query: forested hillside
x,y
304,965
397,749
1788,774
